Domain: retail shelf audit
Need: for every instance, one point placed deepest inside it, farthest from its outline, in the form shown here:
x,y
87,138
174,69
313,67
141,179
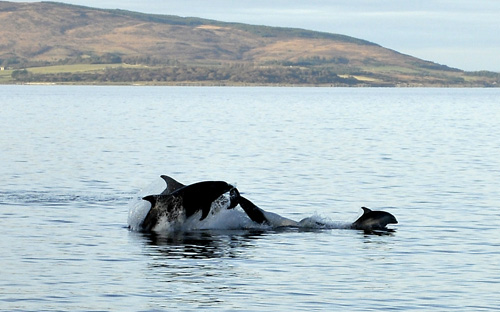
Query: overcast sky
x,y
459,33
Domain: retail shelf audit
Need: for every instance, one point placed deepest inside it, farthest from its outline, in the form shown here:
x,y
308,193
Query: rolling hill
x,y
55,42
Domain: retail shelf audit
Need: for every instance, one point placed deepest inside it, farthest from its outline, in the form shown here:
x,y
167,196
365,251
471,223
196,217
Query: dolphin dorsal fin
x,y
366,210
151,199
172,185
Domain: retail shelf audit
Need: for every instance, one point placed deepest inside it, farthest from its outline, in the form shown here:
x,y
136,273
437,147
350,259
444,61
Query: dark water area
x,y
73,157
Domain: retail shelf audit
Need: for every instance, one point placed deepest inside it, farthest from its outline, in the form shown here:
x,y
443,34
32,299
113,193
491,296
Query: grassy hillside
x,y
44,42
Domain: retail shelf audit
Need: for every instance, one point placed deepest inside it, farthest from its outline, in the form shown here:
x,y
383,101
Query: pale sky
x,y
459,33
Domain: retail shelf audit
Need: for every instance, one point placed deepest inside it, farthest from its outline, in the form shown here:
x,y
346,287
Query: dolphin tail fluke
x,y
253,212
234,196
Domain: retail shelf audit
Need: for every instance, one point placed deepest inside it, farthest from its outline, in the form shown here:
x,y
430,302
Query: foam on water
x,y
318,222
55,197
139,208
224,219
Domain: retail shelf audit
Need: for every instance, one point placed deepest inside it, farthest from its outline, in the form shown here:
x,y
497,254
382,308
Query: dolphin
x,y
179,202
373,220
369,221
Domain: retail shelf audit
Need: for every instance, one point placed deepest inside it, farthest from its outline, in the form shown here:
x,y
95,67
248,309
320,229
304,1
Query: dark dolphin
x,y
182,201
373,220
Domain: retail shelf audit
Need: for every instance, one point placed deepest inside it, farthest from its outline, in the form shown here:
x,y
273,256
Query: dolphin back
x,y
201,195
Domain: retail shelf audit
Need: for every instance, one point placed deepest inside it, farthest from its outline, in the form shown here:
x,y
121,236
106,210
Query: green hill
x,y
54,42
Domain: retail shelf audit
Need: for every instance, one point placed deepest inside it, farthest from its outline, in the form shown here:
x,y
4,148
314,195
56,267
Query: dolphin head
x,y
373,220
234,196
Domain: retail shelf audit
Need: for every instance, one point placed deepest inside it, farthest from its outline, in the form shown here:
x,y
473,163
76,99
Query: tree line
x,y
184,73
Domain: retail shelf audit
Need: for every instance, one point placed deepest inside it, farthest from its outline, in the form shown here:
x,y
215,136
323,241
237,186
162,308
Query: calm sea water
x,y
73,157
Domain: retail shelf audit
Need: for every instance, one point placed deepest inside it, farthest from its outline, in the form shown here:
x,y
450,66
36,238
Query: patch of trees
x,y
21,75
107,58
115,58
206,74
484,73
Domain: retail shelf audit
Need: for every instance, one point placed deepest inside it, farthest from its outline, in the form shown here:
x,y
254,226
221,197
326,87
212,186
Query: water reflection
x,y
210,244
388,232
200,244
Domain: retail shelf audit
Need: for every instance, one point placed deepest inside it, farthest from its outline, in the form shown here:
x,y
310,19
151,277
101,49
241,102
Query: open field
x,y
75,68
5,76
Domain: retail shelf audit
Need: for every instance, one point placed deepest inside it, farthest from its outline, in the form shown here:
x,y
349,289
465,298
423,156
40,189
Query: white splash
x,y
139,208
318,222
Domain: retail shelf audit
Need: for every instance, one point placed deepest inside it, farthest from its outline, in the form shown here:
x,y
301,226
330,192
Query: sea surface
x,y
73,157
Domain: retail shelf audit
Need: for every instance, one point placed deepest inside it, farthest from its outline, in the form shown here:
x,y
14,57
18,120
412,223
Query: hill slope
x,y
174,49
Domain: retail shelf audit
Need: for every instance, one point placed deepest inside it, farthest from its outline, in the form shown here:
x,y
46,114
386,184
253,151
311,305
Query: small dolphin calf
x,y
373,220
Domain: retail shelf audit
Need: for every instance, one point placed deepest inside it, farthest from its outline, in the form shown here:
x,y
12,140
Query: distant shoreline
x,y
195,84
78,45
124,74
